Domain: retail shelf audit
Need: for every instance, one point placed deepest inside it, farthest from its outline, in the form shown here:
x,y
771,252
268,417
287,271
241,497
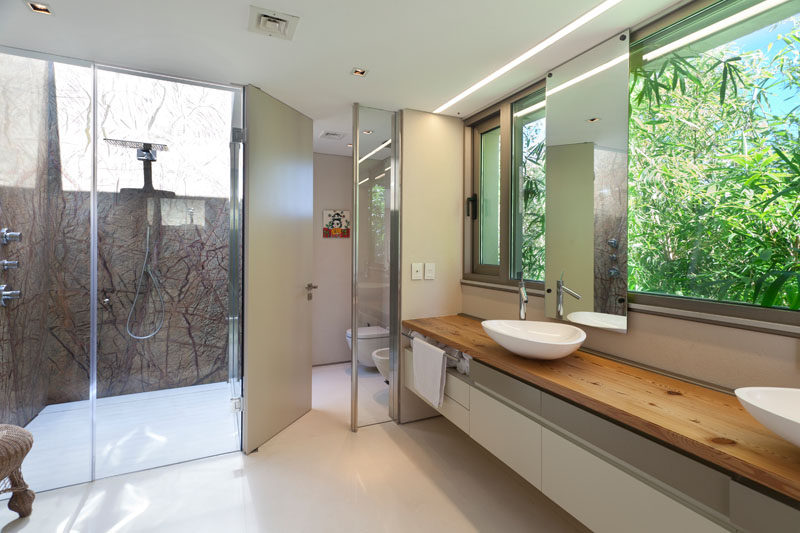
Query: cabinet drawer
x,y
704,485
754,512
511,437
455,413
457,389
606,498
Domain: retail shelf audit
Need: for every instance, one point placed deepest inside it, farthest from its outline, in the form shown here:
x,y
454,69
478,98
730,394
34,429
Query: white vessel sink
x,y
775,407
535,340
616,323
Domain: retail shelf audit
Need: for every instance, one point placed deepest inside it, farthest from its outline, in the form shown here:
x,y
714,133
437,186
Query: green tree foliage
x,y
714,175
532,198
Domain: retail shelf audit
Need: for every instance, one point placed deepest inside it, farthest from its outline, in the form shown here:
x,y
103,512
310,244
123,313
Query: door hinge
x,y
238,135
237,404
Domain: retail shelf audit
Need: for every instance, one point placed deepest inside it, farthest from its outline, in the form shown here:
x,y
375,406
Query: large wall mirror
x,y
586,272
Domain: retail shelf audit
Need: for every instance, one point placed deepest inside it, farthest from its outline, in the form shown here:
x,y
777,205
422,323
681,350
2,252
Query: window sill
x,y
762,326
738,322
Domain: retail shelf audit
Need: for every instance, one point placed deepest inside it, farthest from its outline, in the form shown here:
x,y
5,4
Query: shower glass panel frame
x,y
64,109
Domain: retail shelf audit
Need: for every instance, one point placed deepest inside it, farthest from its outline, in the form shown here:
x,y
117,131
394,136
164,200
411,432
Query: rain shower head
x,y
144,151
136,144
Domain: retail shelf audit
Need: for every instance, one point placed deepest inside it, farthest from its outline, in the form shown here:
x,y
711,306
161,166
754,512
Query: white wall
x,y
729,357
433,172
333,260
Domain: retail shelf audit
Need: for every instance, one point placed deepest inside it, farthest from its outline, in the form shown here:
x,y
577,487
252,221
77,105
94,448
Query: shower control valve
x,y
6,264
8,236
6,293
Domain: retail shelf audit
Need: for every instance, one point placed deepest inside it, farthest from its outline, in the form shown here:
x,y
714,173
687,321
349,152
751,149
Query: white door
x,y
278,214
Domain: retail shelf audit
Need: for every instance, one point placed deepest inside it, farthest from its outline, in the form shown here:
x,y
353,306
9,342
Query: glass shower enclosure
x,y
122,350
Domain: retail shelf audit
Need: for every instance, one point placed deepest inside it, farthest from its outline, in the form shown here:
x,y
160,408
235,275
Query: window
x,y
487,238
508,150
528,186
714,171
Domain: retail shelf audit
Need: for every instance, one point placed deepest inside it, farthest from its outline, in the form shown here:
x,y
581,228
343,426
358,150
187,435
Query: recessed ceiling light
x,y
38,7
358,71
367,132
560,34
594,119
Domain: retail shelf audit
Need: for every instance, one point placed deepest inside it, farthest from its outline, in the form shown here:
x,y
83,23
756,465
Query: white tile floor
x,y
373,393
134,432
314,476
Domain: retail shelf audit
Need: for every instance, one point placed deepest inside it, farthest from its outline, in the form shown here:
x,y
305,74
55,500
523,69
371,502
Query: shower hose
x,y
146,270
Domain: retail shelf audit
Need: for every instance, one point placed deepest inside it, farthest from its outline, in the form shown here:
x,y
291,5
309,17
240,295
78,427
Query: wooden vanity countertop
x,y
702,422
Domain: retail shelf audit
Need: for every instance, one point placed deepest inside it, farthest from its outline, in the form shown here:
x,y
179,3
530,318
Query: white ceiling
x,y
419,53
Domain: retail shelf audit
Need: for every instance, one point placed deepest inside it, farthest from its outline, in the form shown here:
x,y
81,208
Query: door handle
x,y
472,207
310,288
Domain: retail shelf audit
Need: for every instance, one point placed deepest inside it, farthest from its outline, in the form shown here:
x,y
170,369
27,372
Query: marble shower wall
x,y
27,150
189,258
190,262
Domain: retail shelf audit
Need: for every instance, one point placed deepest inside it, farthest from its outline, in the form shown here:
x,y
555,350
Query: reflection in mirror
x,y
586,188
372,220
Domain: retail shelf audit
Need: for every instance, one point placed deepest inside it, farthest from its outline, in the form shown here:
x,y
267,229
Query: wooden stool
x,y
15,443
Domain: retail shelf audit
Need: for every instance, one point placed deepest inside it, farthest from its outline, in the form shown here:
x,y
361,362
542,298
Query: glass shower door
x,y
45,196
167,224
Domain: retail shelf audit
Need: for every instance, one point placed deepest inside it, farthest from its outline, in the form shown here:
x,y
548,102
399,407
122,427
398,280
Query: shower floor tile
x,y
134,432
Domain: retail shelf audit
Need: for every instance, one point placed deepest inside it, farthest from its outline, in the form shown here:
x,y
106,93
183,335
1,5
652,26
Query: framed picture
x,y
335,224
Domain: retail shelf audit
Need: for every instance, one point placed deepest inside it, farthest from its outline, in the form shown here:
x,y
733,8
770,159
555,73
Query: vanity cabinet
x,y
519,424
606,475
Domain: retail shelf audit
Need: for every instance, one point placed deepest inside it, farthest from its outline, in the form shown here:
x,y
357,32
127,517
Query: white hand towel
x,y
430,367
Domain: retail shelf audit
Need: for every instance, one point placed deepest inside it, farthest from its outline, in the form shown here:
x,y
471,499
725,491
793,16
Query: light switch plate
x,y
416,270
430,270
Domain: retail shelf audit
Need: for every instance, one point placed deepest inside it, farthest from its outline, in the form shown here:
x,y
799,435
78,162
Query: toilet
x,y
370,338
381,358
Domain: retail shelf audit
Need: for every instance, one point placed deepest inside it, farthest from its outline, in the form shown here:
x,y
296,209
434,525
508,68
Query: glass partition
x,y
46,139
164,204
374,170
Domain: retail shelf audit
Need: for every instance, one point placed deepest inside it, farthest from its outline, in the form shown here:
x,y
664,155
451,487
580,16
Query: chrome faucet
x,y
560,290
523,299
7,294
8,236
